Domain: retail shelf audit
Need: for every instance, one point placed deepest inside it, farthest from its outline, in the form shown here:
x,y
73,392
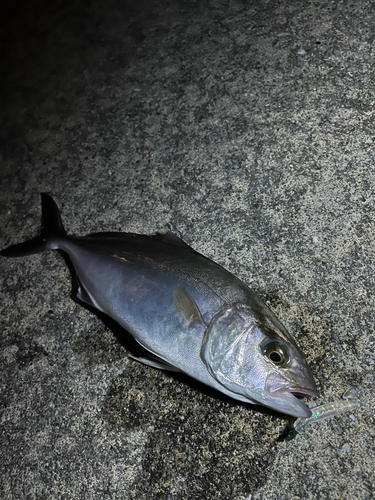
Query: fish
x,y
188,313
350,401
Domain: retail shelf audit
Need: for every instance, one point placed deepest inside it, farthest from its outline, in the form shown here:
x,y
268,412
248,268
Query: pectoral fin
x,y
186,308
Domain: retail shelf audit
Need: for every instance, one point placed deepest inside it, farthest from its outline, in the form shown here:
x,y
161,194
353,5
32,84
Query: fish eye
x,y
276,353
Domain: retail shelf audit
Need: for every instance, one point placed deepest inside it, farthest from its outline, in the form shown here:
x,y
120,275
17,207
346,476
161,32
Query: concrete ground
x,y
245,127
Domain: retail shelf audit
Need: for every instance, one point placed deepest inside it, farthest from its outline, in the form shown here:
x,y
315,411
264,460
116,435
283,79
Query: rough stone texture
x,y
247,128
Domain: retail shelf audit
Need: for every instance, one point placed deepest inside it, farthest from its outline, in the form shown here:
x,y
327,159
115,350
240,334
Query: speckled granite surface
x,y
247,129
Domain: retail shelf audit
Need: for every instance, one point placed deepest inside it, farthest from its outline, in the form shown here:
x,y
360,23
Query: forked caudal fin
x,y
52,231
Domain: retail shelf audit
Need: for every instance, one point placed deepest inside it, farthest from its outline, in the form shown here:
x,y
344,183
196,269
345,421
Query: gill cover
x,y
229,347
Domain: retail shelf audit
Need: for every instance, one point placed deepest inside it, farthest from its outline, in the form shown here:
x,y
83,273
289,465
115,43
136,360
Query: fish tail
x,y
51,235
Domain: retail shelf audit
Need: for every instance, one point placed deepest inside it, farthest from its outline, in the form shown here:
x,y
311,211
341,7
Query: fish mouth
x,y
289,401
299,392
287,398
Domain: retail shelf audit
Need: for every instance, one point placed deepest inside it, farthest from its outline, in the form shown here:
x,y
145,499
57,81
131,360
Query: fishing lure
x,y
350,401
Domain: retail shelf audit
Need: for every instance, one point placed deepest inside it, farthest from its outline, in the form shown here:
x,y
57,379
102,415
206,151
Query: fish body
x,y
189,313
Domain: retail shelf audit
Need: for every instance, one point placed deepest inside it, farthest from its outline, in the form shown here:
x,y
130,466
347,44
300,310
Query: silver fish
x,y
189,313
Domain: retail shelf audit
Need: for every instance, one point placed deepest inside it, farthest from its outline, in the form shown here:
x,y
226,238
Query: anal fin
x,y
155,362
83,295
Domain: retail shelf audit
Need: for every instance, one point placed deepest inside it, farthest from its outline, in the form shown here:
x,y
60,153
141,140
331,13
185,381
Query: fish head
x,y
249,352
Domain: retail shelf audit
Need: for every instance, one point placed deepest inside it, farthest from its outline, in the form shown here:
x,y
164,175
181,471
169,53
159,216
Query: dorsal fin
x,y
169,237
